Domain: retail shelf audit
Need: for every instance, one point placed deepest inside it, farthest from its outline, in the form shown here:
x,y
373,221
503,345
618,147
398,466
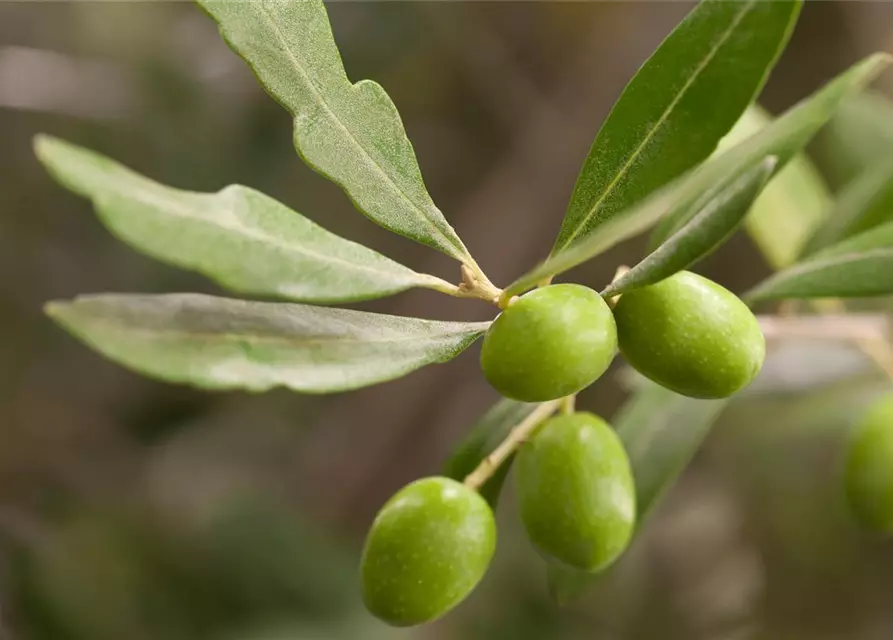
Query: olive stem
x,y
850,327
474,285
621,271
507,447
569,404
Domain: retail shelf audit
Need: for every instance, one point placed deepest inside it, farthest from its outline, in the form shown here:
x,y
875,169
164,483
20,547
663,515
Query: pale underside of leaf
x,y
719,214
239,237
666,143
221,343
350,133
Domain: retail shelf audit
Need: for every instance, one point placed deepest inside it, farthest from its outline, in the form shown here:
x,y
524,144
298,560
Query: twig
x,y
518,435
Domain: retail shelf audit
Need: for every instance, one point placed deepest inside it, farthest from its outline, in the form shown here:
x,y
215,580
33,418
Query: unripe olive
x,y
549,343
576,493
868,475
428,548
690,335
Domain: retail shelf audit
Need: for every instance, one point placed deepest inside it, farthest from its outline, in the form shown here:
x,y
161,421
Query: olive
x,y
550,343
690,335
576,492
427,549
869,468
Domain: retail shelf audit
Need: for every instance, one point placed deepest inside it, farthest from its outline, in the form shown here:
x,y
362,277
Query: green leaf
x,y
863,204
859,136
784,138
859,267
718,215
676,108
219,343
239,237
661,432
350,133
486,434
791,206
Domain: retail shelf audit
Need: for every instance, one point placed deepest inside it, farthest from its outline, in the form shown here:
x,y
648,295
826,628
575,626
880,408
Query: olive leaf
x,y
790,207
220,343
239,237
486,434
719,213
861,266
862,204
858,137
350,133
676,108
672,204
661,432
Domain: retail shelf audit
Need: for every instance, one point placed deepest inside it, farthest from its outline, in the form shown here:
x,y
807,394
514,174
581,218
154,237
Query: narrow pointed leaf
x,y
486,434
670,205
239,237
220,343
858,137
863,204
792,205
661,432
856,268
784,137
678,106
719,215
350,133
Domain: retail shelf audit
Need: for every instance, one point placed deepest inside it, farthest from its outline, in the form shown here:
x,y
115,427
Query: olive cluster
x,y
431,543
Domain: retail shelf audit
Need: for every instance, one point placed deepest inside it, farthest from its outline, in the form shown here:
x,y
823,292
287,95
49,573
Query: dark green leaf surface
x,y
859,267
719,214
792,205
671,204
239,237
350,133
220,343
678,106
864,203
661,432
486,434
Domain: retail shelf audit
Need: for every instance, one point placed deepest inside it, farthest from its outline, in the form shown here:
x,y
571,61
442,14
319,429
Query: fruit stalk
x,y
506,448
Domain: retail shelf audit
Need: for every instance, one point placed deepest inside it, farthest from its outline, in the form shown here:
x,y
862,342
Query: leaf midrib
x,y
666,114
322,100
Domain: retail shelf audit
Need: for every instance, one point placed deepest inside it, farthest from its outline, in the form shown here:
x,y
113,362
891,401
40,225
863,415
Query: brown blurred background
x,y
132,509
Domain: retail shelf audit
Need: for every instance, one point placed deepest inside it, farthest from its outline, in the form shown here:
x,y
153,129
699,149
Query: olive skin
x,y
427,549
691,336
868,472
549,343
576,493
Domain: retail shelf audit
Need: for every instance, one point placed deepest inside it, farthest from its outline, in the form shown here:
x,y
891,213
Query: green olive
x,y
549,343
869,468
576,492
690,335
428,548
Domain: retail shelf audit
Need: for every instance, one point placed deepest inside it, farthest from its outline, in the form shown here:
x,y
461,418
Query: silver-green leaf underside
x,y
859,267
719,214
239,237
677,107
220,343
350,133
783,138
661,432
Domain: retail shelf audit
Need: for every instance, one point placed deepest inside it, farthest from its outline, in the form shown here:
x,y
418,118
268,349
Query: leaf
x,y
219,343
661,432
239,237
788,134
861,205
676,108
350,133
858,137
486,434
859,267
791,206
719,214
784,138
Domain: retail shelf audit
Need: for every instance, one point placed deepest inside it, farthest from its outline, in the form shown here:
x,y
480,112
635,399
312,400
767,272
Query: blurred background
x,y
135,510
